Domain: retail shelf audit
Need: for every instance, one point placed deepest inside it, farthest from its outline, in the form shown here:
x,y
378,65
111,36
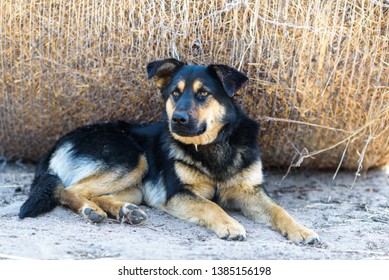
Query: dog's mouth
x,y
185,131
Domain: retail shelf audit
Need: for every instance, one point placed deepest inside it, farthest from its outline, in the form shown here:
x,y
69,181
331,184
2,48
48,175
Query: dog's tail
x,y
43,196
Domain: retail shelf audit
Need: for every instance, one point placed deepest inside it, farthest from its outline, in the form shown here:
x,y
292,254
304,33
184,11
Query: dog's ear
x,y
231,79
163,70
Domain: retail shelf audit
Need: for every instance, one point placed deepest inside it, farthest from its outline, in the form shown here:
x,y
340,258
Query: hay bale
x,y
318,70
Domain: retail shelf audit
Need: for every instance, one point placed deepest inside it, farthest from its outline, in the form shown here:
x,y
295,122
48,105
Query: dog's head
x,y
198,98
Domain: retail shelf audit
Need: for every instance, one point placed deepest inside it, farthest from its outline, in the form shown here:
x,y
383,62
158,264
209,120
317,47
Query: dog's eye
x,y
176,93
204,94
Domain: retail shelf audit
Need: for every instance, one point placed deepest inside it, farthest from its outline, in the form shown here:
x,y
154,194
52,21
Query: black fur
x,y
231,79
163,67
42,196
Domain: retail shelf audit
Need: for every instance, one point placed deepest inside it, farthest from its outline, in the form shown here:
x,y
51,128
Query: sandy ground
x,y
352,222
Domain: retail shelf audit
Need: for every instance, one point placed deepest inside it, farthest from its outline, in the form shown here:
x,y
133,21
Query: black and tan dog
x,y
203,156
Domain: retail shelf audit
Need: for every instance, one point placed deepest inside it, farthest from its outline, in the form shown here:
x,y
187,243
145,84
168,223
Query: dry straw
x,y
318,70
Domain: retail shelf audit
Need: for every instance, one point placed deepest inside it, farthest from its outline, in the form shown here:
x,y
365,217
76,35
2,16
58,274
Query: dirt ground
x,y
353,224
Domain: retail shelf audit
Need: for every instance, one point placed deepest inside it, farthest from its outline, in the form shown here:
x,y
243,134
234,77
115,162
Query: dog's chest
x,y
206,179
217,162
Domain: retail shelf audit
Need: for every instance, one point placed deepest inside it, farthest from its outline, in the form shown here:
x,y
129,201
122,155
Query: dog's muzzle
x,y
182,125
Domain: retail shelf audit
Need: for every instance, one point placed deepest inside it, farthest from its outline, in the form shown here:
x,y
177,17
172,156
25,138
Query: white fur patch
x,y
154,193
72,169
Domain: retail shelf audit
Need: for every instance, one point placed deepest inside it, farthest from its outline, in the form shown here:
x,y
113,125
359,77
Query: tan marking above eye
x,y
181,85
197,85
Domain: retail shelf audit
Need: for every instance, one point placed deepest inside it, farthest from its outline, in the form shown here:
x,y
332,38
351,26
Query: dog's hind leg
x,y
77,202
123,205
86,196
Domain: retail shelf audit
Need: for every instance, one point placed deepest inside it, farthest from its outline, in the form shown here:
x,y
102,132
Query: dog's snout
x,y
180,117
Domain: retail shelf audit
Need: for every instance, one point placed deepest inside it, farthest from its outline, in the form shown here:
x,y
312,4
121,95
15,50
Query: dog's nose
x,y
180,117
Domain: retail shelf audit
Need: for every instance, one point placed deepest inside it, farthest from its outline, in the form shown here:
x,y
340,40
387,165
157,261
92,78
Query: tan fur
x,y
250,176
109,205
165,75
83,194
162,81
199,210
197,85
123,205
199,183
286,225
254,203
211,113
131,195
114,202
76,202
181,85
109,182
169,109
241,192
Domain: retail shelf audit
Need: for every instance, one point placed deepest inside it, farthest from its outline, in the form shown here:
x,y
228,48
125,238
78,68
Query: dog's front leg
x,y
254,203
194,208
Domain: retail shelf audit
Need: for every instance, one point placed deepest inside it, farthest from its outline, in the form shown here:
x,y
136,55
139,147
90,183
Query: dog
x,y
204,157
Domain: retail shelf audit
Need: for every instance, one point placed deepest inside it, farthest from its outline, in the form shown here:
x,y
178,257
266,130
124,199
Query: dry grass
x,y
318,69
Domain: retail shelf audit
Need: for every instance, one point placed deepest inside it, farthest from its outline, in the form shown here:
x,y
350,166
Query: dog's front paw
x,y
288,227
300,235
230,230
132,214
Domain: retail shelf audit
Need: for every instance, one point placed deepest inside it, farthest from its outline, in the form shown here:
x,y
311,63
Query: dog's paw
x,y
132,214
231,230
94,215
299,234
